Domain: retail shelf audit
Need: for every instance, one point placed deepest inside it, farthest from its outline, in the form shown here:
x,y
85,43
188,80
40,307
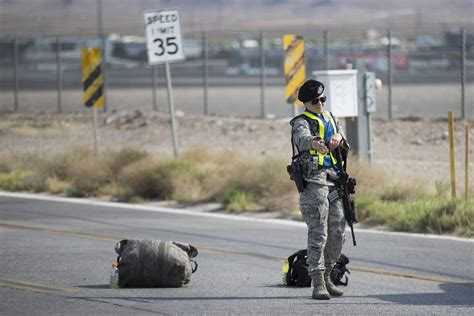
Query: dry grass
x,y
178,180
369,178
240,183
13,180
117,160
136,179
57,186
269,182
6,162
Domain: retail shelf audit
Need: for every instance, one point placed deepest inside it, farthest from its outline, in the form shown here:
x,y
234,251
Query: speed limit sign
x,y
163,34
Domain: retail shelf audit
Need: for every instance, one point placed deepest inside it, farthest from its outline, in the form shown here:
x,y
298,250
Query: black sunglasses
x,y
316,100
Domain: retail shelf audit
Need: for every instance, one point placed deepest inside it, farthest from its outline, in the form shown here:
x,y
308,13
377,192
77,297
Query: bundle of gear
x,y
155,263
298,274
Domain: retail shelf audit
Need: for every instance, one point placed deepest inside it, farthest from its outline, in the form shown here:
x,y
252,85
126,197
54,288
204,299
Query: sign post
x,y
165,45
294,67
93,84
452,159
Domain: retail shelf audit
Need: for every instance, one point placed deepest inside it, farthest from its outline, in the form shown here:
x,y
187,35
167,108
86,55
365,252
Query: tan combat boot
x,y
319,287
331,287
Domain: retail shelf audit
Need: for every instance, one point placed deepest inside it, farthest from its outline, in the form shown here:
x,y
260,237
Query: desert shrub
x,y
239,183
31,172
13,180
237,199
442,188
177,179
113,190
373,211
173,179
435,215
36,180
200,155
276,191
405,192
62,166
56,185
427,215
370,179
88,175
464,218
136,200
137,179
268,182
6,163
216,172
71,191
117,160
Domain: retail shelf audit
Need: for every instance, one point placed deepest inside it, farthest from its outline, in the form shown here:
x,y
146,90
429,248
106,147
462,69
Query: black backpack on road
x,y
298,274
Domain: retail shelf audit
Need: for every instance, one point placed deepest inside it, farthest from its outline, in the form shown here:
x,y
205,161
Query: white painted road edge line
x,y
148,208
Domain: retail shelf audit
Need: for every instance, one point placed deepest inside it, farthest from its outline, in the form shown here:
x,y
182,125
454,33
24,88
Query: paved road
x,y
56,255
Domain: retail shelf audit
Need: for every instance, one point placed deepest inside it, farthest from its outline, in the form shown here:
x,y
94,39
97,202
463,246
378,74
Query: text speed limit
x,y
163,34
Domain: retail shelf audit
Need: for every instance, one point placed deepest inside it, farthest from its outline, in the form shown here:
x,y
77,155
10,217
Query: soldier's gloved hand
x,y
334,141
318,145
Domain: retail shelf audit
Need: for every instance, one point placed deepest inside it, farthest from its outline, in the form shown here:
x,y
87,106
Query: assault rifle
x,y
345,187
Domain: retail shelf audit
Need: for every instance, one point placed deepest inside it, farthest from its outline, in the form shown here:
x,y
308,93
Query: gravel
x,y
408,149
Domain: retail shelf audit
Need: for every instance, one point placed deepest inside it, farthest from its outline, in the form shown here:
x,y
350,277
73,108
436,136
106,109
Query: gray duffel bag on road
x,y
155,263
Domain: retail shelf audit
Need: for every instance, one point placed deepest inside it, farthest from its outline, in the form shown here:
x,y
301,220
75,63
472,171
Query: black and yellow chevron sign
x,y
294,67
92,78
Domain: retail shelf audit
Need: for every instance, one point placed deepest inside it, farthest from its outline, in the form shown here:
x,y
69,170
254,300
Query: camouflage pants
x,y
326,226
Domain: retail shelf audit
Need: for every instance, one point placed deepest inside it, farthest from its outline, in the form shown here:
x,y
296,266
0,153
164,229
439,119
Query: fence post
x,y
15,72
262,76
326,48
154,86
205,70
451,153
58,72
101,36
466,160
390,75
105,72
463,73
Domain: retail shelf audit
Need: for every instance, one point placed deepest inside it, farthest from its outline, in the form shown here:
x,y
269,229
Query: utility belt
x,y
303,165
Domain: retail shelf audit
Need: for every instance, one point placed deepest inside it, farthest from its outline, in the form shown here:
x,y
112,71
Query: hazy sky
x,y
48,17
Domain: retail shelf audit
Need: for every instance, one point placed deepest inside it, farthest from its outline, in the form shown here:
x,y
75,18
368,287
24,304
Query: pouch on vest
x,y
155,263
298,272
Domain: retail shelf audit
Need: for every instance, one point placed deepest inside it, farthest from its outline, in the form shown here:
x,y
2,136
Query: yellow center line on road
x,y
406,275
62,232
240,253
34,287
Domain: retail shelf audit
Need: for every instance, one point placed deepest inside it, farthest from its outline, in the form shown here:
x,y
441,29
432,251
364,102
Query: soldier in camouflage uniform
x,y
315,134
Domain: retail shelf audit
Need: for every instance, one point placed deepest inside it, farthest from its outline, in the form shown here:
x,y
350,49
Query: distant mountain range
x,y
79,17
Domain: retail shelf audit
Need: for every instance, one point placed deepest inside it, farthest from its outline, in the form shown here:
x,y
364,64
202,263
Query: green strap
x,y
162,262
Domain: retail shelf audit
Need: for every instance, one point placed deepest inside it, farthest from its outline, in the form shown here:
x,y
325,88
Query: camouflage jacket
x,y
302,139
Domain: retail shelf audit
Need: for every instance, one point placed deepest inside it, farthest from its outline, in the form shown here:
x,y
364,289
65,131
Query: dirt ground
x,y
408,149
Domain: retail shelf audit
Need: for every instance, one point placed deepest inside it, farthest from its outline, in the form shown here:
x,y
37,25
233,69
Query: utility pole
x,y
101,36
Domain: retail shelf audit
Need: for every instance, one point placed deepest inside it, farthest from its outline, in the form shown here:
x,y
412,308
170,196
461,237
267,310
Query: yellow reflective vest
x,y
321,134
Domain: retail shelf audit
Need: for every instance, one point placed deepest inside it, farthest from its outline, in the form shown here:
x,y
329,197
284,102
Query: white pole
x,y
452,159
59,79
16,72
153,81
262,76
205,70
94,120
171,106
466,163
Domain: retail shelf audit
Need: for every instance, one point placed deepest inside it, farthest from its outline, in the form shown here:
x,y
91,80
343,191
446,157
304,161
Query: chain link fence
x,y
240,73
